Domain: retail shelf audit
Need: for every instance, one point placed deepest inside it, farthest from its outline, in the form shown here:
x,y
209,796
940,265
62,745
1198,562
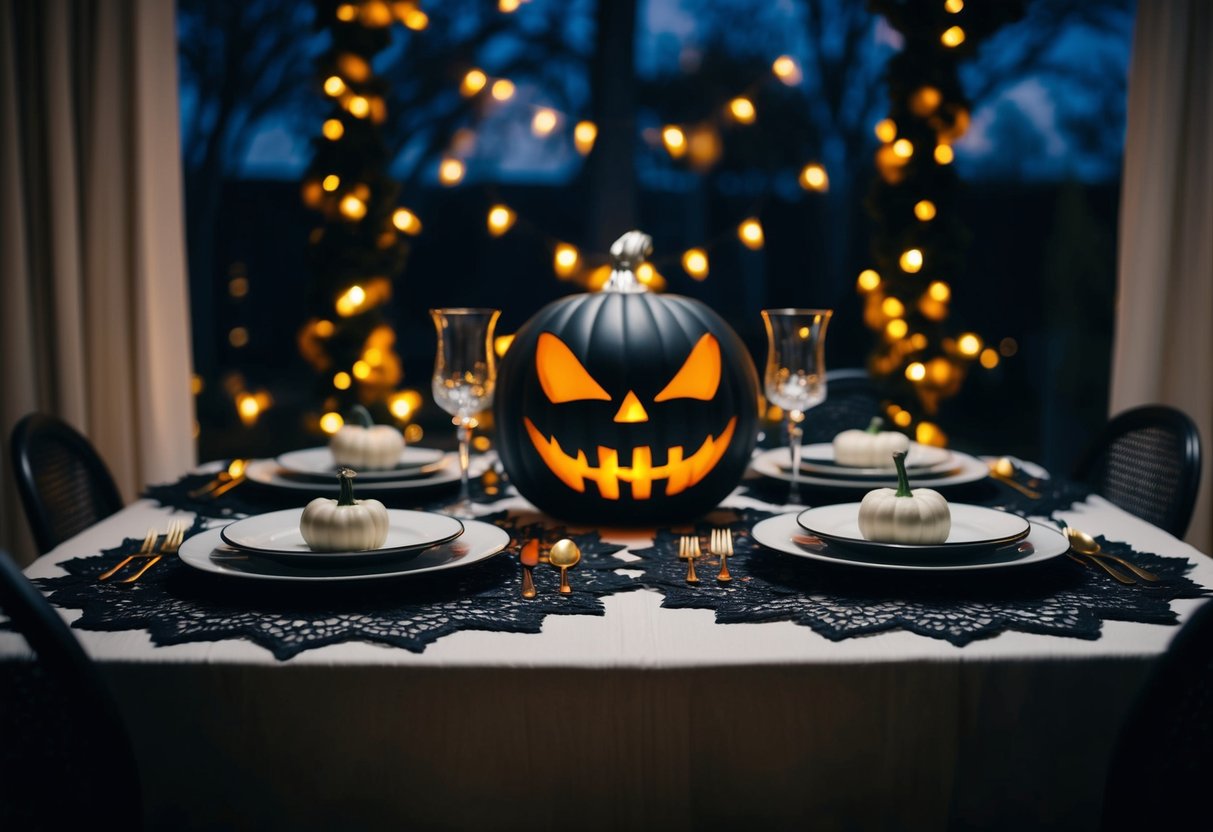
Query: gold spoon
x,y
565,555
1003,470
1084,544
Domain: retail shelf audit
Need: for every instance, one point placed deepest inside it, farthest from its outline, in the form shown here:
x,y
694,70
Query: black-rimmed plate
x,y
318,463
782,534
480,541
276,535
974,529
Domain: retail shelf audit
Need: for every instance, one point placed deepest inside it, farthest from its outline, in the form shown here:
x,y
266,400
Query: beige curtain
x,y
1164,319
94,325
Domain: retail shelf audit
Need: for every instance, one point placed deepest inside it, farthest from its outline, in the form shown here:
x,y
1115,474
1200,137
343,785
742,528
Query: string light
x,y
362,370
347,305
508,6
944,154
787,70
892,307
742,110
939,291
416,19
916,371
911,260
695,263
814,178
675,141
903,148
331,422
500,219
359,106
333,129
238,337
346,13
473,82
352,207
897,328
953,6
406,221
924,209
751,235
565,259
886,130
968,344
237,287
989,358
953,37
323,329
503,89
868,280
543,122
334,86
925,101
584,135
451,172
331,182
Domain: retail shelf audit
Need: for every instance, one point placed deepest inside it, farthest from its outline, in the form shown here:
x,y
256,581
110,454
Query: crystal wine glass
x,y
795,377
465,372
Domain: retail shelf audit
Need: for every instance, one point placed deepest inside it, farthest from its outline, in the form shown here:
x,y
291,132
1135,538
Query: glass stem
x,y
794,437
465,441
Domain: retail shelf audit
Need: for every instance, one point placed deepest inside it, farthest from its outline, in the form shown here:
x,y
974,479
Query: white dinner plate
x,y
921,461
974,528
276,535
269,473
783,534
773,464
318,463
479,541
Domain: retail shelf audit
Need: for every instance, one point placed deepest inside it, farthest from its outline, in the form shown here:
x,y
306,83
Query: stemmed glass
x,y
465,372
795,377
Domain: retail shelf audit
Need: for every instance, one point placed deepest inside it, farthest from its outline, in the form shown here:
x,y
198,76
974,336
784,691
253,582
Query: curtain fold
x,y
1164,340
95,323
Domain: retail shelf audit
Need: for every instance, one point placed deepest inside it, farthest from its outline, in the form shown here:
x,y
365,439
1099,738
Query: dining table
x,y
798,694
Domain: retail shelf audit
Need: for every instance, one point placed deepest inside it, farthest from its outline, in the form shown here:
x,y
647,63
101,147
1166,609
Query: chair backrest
x,y
64,485
1162,763
852,399
1147,461
65,757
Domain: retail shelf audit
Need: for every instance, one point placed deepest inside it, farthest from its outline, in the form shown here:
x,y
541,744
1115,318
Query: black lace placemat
x,y
254,498
1057,597
177,604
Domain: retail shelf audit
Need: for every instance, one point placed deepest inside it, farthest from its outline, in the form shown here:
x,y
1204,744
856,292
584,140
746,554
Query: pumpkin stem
x,y
362,415
875,425
346,477
903,481
627,254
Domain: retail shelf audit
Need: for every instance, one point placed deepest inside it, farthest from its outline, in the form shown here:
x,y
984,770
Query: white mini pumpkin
x,y
899,515
344,524
367,446
871,448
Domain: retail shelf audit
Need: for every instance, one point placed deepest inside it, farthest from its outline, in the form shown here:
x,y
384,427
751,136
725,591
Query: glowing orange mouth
x,y
679,473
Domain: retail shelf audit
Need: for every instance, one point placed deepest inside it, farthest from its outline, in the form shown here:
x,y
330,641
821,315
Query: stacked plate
x,y
313,471
926,466
980,538
271,547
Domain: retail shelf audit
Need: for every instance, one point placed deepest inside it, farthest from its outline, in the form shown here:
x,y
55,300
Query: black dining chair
x,y
65,486
65,756
1147,461
852,399
1162,762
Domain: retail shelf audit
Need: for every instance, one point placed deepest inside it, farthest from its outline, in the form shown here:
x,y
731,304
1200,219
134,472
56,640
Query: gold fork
x,y
721,545
688,550
148,546
172,542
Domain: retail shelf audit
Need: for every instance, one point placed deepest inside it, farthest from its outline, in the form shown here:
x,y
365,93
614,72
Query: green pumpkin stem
x,y
903,481
875,425
362,415
346,477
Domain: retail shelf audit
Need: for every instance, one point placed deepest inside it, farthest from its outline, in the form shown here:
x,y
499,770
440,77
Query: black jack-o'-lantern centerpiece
x,y
625,406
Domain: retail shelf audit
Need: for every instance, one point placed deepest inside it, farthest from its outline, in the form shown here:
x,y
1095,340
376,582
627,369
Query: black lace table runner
x,y
1058,597
177,604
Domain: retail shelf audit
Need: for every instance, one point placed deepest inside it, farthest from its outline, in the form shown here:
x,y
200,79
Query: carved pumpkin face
x,y
626,408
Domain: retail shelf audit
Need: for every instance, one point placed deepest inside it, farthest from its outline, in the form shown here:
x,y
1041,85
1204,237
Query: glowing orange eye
x,y
699,376
562,376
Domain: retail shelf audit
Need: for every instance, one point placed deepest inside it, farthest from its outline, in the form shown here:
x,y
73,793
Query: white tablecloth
x,y
641,718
